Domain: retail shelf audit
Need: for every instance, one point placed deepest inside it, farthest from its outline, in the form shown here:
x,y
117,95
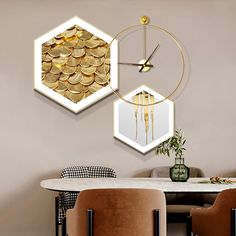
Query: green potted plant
x,y
179,172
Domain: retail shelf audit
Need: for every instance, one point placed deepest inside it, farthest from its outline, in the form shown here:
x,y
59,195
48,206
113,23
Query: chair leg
x,y
63,227
56,216
90,222
233,219
189,225
156,222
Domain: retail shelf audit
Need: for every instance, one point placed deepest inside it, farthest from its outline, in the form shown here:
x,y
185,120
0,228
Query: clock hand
x,y
145,63
134,64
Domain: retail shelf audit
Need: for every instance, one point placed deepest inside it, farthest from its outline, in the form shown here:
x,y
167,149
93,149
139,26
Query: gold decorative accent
x,y
144,20
75,63
146,113
182,58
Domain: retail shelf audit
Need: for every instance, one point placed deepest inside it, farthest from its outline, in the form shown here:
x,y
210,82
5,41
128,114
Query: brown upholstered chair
x,y
179,204
217,220
118,212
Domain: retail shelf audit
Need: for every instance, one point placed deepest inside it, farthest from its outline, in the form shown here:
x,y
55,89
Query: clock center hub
x,y
145,68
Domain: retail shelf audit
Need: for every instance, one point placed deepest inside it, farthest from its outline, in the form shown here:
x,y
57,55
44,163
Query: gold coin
x,y
45,49
72,61
46,66
80,44
60,61
98,52
107,55
69,33
87,80
50,85
75,78
71,44
55,52
102,79
88,70
107,61
98,61
85,89
87,94
93,88
64,77
85,35
87,61
59,41
102,70
43,56
48,58
74,97
94,37
102,42
69,70
75,88
43,75
78,27
92,43
51,78
59,36
84,62
71,28
65,52
62,86
50,42
56,69
79,33
78,52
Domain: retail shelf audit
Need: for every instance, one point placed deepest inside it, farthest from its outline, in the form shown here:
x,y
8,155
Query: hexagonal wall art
x,y
74,64
143,127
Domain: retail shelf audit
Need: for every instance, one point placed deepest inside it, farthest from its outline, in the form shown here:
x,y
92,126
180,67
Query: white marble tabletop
x,y
164,184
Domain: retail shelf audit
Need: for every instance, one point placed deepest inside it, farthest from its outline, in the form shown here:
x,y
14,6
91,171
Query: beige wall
x,y
38,137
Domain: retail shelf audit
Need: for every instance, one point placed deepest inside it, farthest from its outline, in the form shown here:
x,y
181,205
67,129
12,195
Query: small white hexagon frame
x,y
119,119
103,92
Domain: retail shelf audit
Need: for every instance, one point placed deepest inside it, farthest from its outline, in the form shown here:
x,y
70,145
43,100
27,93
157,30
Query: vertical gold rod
x,y
136,101
152,100
144,42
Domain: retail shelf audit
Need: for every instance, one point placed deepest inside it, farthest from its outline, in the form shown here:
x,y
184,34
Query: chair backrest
x,y
215,220
88,172
179,198
164,172
120,212
67,199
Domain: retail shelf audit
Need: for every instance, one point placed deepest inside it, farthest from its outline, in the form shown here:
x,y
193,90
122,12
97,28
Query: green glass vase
x,y
179,172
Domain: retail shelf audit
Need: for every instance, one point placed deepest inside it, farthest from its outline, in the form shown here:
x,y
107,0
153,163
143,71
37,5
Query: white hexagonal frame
x,y
123,122
103,92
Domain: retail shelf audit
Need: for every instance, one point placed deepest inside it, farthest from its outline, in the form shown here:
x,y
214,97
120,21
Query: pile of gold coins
x,y
75,63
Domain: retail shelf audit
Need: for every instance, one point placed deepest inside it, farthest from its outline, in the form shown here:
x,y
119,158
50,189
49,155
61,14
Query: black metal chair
x,y
66,200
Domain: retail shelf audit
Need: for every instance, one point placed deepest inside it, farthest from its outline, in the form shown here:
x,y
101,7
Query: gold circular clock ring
x,y
181,52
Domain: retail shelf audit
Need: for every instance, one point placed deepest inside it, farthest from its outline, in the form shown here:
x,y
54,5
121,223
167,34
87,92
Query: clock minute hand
x,y
145,63
133,64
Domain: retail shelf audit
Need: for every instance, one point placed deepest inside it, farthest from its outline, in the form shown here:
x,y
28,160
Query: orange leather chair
x,y
217,220
118,212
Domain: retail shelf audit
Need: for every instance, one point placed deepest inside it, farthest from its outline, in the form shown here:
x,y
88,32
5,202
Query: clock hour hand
x,y
145,63
134,64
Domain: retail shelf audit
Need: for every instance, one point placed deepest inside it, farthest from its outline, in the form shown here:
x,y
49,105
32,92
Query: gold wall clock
x,y
74,64
151,59
150,55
